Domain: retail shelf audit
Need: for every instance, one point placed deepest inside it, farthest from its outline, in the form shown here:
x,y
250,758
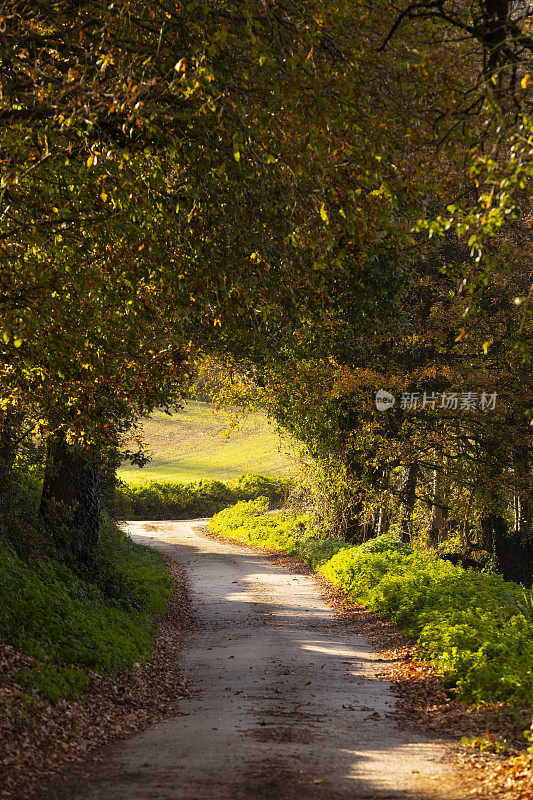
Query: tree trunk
x,y
353,529
72,490
439,510
524,491
383,521
109,480
369,530
408,497
9,429
512,550
352,513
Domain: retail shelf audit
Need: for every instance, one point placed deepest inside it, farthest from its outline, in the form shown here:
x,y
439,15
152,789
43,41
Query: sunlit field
x,y
195,444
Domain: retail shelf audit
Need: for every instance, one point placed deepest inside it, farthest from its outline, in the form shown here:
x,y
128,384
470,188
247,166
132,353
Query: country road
x,y
285,704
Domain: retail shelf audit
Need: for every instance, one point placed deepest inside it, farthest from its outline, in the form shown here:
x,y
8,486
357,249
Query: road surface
x,y
285,704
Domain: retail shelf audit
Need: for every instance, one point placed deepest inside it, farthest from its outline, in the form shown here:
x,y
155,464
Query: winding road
x,y
286,705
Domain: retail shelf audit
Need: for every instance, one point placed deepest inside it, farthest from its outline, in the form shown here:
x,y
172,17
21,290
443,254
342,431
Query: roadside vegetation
x,y
475,626
313,200
72,616
98,613
175,500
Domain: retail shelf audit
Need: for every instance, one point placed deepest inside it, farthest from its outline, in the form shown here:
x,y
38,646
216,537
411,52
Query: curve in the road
x,y
288,707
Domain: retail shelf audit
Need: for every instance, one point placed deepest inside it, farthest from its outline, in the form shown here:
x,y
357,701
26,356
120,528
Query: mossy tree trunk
x,y
439,510
408,497
72,495
10,425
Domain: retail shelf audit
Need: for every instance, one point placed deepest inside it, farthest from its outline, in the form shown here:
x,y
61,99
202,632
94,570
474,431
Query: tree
x,y
258,196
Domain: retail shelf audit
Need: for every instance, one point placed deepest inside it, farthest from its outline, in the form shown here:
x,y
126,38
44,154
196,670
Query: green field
x,y
194,444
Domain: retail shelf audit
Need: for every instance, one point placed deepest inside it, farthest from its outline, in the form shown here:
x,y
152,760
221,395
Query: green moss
x,y
101,616
55,682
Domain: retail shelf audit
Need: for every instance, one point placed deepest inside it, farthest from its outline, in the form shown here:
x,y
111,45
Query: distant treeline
x,y
172,500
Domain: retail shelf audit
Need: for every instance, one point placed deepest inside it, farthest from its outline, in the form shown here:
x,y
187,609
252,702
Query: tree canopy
x,y
311,190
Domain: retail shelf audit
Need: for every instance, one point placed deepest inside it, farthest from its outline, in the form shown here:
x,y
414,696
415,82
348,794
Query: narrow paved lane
x,y
288,705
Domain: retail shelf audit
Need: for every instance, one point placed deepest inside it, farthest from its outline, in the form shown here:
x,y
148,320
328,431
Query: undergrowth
x,y
68,617
174,500
474,625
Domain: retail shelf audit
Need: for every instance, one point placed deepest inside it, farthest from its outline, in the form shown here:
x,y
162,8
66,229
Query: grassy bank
x,y
99,617
475,626
178,500
192,445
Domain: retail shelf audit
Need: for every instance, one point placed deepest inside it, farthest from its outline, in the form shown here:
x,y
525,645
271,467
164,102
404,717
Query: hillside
x,y
194,444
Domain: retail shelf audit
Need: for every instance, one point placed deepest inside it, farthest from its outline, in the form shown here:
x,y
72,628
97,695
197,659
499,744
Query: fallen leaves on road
x,y
37,740
498,772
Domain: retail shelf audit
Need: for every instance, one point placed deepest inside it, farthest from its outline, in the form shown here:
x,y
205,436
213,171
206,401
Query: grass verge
x,y
474,626
40,740
101,618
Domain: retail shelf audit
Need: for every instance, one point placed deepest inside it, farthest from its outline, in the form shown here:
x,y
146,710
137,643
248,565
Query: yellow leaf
x,y
324,213
103,195
526,80
17,341
486,345
141,247
90,160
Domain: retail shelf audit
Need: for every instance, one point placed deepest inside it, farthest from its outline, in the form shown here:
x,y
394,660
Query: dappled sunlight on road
x,y
288,703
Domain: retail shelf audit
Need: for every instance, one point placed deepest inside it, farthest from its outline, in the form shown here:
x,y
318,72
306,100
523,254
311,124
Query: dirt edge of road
x,y
423,705
38,748
43,756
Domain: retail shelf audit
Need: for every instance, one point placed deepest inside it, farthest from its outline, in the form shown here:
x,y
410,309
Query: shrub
x,y
129,574
98,614
247,521
472,624
173,500
252,485
46,611
101,618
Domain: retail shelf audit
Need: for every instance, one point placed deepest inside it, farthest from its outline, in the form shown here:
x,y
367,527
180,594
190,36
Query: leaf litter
x,y
488,740
39,741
